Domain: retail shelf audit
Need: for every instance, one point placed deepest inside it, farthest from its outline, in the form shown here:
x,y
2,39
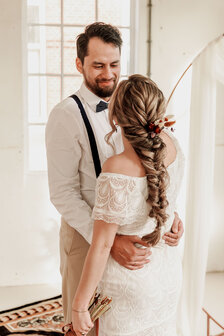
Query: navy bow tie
x,y
101,106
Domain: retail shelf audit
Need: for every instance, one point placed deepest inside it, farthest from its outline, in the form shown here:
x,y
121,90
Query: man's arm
x,y
125,252
128,255
63,156
172,237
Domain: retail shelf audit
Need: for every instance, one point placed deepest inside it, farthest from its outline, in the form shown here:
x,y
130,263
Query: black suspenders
x,y
91,136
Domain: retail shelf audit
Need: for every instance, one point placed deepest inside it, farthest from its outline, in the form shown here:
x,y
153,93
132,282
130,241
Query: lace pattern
x,y
166,328
114,199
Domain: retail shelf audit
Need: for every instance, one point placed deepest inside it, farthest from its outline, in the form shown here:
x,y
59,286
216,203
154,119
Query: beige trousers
x,y
73,250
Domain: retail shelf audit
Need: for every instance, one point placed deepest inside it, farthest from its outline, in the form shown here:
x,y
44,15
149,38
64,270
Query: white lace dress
x,y
145,300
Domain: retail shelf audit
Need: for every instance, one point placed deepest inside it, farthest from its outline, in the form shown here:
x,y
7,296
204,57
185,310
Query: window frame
x,y
133,67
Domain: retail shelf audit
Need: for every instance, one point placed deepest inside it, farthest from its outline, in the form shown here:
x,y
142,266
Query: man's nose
x,y
107,73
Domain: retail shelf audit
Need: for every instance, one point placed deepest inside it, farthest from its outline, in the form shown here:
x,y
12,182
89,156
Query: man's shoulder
x,y
66,110
67,104
65,117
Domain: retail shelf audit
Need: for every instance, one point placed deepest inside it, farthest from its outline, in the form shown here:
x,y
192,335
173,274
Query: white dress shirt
x,y
71,172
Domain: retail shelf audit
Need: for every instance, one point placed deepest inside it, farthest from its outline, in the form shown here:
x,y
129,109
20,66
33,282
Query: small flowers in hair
x,y
157,126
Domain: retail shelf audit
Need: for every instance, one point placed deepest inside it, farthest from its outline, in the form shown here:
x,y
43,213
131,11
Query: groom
x,y
71,173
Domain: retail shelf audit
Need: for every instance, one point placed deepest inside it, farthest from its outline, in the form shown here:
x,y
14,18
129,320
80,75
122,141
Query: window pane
x,y
34,110
116,12
69,49
33,36
71,85
34,61
44,11
44,48
53,92
79,12
125,52
43,95
37,152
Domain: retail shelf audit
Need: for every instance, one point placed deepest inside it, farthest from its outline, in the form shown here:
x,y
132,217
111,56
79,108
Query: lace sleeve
x,y
112,202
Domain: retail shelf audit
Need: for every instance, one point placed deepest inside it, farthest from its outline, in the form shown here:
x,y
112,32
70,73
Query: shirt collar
x,y
89,97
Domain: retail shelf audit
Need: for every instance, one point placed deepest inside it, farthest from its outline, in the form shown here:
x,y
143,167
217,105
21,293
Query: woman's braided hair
x,y
135,104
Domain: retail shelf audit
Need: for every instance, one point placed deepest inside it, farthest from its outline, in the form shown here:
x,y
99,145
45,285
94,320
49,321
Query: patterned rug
x,y
43,318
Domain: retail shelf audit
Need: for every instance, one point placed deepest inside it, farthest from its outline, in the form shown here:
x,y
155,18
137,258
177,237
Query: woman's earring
x,y
116,126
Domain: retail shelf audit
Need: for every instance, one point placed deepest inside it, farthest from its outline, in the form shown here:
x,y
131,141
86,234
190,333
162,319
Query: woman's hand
x,y
173,237
81,322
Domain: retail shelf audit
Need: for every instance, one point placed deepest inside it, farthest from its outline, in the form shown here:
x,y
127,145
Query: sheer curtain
x,y
207,67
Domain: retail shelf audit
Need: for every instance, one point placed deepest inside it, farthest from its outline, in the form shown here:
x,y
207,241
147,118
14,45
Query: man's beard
x,y
99,91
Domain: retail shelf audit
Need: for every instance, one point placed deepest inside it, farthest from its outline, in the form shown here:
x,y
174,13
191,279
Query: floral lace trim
x,y
119,220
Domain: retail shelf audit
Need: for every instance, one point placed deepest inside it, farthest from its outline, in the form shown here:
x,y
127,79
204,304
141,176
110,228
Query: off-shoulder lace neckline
x,y
123,175
136,177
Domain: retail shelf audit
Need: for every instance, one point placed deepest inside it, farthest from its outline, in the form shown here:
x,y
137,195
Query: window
x,y
52,28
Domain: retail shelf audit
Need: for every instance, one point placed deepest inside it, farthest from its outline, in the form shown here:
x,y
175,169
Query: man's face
x,y
101,68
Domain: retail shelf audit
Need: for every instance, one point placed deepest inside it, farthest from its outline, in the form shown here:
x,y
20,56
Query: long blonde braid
x,y
136,103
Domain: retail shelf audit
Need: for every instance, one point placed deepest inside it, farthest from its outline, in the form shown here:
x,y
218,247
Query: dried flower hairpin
x,y
157,126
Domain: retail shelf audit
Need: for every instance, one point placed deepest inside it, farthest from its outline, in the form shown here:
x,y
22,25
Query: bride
x,y
135,195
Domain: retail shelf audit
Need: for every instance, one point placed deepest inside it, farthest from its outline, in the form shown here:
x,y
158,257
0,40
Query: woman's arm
x,y
95,263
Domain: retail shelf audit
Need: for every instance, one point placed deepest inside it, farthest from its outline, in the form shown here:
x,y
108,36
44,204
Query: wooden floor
x,y
11,297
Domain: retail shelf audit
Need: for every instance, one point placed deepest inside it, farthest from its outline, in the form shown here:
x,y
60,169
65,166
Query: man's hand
x,y
127,254
172,238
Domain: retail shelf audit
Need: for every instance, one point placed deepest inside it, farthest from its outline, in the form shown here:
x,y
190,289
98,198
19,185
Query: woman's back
x,y
124,177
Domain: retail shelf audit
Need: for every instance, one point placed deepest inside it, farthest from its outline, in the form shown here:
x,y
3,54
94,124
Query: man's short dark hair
x,y
106,32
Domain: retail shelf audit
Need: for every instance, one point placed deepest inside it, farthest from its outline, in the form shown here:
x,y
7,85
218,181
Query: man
x,y
71,171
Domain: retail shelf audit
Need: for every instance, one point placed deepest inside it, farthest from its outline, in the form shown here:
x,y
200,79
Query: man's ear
x,y
79,65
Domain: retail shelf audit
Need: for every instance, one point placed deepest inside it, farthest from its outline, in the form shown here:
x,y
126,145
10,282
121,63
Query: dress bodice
x,y
122,199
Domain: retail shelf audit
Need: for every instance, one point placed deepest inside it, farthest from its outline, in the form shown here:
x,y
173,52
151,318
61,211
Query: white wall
x,y
29,234
180,30
11,134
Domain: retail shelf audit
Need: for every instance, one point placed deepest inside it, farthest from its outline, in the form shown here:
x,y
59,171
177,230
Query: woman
x,y
135,195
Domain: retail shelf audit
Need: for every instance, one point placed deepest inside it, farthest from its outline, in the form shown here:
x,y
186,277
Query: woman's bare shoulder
x,y
121,164
171,152
113,164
